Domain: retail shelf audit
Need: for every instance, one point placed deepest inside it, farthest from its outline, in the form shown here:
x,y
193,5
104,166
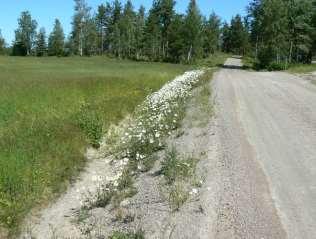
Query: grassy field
x,y
51,109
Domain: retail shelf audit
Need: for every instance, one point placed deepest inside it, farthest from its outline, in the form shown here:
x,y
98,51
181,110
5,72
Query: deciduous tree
x,y
25,35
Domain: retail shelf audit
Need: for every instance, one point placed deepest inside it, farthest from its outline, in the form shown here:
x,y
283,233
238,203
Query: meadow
x,y
51,110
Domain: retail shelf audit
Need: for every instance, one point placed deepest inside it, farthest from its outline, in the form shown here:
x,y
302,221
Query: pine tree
x,y
192,32
301,30
128,28
314,28
153,32
56,40
140,33
225,39
115,45
176,50
166,16
41,46
25,35
212,34
101,26
238,36
2,44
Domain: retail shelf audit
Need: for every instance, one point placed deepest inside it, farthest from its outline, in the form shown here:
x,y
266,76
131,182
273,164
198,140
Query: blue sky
x,y
45,11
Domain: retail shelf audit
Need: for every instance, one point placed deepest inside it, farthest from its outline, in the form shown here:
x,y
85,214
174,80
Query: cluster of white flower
x,y
144,133
157,117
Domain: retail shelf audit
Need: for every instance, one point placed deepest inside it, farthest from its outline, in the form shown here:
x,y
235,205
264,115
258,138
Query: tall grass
x,y
51,109
302,68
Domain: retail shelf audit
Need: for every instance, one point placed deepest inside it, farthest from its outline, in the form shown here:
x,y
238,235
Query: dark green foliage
x,y
282,32
235,37
56,40
153,33
139,33
193,32
89,121
19,49
118,30
226,37
176,39
212,29
2,44
41,47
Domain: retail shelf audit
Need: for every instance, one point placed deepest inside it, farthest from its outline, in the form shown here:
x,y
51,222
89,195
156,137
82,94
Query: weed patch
x,y
174,168
129,235
178,195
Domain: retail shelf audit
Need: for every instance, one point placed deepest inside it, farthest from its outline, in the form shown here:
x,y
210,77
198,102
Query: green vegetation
x,y
251,63
276,33
178,195
174,168
130,235
117,29
51,109
302,68
216,59
235,36
113,194
2,44
282,32
179,174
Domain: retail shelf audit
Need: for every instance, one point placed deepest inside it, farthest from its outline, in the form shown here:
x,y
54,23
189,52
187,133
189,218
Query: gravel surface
x,y
267,126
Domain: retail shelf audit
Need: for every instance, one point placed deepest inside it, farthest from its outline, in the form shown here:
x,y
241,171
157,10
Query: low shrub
x,y
173,167
90,122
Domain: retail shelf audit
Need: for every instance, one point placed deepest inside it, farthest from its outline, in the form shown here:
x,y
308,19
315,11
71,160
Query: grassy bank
x,y
250,63
51,109
302,68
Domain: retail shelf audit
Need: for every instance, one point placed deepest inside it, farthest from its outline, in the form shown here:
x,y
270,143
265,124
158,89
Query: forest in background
x,y
276,33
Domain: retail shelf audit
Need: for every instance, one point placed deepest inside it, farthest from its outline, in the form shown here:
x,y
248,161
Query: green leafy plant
x,y
128,235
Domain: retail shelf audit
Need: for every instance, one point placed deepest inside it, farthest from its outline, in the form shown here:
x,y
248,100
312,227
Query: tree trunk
x,y
189,54
291,52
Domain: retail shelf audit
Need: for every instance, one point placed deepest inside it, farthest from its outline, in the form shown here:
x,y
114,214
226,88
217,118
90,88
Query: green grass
x,y
302,68
215,60
250,63
51,109
131,235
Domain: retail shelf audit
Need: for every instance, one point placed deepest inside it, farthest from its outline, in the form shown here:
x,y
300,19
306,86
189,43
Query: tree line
x,y
276,33
283,31
115,29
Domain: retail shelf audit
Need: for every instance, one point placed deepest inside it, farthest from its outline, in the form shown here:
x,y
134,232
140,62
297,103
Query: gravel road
x,y
267,128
